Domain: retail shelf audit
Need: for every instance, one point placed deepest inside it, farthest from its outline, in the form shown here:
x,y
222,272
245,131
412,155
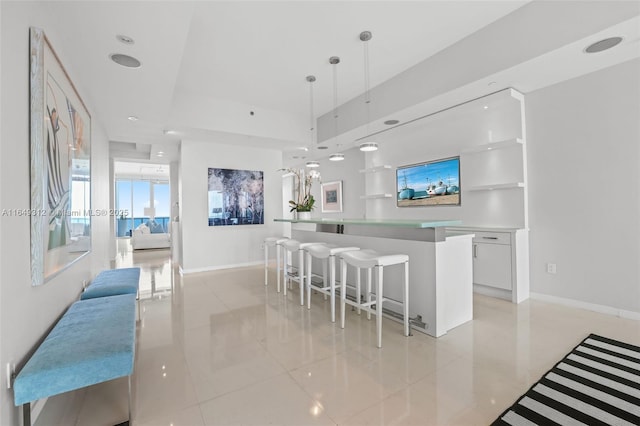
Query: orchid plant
x,y
304,201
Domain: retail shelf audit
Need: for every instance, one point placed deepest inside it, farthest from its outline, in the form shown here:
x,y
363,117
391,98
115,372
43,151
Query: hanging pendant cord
x,y
365,36
334,61
311,79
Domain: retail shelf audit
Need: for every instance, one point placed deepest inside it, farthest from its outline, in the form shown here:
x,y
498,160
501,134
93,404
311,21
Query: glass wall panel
x,y
124,224
162,204
135,197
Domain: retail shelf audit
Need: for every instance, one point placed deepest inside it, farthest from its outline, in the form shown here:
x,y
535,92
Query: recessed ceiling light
x,y
132,118
170,132
336,157
295,157
485,107
303,148
491,83
313,164
125,39
601,45
323,147
125,60
391,122
368,146
161,152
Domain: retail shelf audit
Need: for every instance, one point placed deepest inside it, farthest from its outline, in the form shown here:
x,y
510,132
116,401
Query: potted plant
x,y
304,202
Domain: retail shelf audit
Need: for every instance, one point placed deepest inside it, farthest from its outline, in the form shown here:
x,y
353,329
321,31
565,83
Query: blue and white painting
x,y
236,197
434,183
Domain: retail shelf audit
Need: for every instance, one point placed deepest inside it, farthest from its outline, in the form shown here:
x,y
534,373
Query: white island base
x,y
440,265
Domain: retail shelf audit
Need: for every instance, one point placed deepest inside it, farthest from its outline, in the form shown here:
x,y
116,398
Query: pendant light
x,y
310,79
365,36
334,61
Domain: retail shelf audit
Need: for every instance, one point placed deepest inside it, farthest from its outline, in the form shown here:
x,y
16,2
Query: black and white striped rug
x,y
598,383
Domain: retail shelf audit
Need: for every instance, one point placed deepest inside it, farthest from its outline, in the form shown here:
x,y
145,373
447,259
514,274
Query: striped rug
x,y
598,383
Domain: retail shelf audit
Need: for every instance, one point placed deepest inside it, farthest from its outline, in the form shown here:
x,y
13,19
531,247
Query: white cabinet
x,y
500,261
492,261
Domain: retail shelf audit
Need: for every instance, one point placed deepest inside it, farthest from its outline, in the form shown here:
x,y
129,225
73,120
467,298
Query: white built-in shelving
x,y
493,145
375,169
509,185
375,196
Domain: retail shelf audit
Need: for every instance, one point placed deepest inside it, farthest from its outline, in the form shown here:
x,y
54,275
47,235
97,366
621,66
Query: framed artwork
x,y
60,144
332,197
236,197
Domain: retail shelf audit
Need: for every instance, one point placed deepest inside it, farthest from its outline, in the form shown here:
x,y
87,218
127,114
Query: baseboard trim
x,y
603,309
218,267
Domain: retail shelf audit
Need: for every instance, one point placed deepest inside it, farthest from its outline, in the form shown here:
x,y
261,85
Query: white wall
x,y
584,187
27,312
207,247
352,184
450,133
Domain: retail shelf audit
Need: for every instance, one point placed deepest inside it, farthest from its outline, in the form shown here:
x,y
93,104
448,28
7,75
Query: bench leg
x,y
130,403
26,414
129,422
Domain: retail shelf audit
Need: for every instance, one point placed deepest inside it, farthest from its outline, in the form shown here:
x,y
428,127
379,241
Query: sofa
x,y
150,235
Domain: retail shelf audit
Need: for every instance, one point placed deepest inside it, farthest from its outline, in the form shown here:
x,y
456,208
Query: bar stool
x,y
277,243
291,246
328,254
369,259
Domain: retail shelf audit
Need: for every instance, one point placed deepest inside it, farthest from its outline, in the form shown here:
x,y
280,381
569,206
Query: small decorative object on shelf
x,y
304,201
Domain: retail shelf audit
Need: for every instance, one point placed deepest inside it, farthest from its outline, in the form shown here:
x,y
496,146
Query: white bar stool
x,y
370,259
277,243
291,246
328,254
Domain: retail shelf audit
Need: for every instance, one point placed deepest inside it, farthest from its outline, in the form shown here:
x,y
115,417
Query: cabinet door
x,y
492,265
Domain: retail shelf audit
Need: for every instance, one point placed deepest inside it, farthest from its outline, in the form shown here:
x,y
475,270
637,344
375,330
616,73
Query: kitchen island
x,y
440,264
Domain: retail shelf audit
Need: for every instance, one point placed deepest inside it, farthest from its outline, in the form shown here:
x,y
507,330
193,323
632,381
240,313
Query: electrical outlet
x,y
551,268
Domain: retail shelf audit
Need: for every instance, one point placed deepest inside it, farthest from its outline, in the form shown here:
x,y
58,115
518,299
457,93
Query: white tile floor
x,y
220,348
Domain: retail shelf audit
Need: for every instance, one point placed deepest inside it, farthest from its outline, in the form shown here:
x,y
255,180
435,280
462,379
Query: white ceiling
x,y
140,171
206,65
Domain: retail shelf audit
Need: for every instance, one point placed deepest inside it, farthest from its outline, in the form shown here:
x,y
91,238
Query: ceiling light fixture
x,y
368,146
125,60
132,118
170,132
334,61
322,147
602,45
365,36
391,122
312,164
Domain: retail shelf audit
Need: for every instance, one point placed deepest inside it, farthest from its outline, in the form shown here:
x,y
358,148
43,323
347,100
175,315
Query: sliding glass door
x,y
137,197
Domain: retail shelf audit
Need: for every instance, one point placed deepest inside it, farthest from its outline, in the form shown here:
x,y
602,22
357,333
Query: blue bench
x,y
113,282
93,342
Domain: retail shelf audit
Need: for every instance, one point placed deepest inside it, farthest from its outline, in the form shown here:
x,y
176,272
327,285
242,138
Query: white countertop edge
x,y
456,236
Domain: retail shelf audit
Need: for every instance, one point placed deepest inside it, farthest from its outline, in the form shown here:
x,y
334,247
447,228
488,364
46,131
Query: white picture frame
x,y
332,197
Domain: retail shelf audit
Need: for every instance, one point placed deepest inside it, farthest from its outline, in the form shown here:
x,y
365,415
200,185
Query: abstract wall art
x,y
236,197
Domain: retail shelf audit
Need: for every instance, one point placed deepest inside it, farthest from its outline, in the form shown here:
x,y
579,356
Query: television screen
x,y
434,183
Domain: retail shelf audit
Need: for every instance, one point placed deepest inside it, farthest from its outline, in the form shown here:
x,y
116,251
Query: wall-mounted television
x,y
433,183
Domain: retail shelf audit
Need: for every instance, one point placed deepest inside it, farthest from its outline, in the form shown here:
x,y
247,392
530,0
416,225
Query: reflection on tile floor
x,y
220,348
